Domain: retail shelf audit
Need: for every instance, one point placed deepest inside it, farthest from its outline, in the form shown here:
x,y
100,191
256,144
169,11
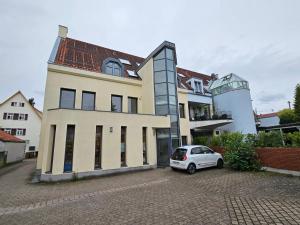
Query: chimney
x,y
214,76
62,31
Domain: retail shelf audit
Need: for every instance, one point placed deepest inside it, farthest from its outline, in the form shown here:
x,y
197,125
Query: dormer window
x,y
198,86
113,66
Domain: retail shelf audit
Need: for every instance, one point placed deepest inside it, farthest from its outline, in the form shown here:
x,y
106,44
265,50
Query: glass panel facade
x,y
88,101
165,90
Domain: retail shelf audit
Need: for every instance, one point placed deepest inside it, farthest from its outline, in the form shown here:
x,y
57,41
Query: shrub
x,y
216,141
201,140
232,141
243,158
269,139
293,139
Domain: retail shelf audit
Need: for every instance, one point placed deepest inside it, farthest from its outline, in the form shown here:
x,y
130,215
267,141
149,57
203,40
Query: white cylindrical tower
x,y
231,97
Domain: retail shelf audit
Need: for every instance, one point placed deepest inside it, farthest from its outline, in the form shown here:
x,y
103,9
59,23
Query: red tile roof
x,y
5,137
82,55
267,115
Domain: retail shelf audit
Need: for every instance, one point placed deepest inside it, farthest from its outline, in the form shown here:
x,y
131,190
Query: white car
x,y
193,157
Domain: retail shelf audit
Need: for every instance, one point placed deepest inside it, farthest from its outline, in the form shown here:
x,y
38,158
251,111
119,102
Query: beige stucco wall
x,y
146,73
85,121
184,122
84,143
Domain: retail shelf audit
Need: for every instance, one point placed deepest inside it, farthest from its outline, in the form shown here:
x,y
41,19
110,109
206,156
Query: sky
x,y
257,40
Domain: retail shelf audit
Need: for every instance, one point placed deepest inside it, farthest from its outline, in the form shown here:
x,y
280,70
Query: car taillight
x,y
184,157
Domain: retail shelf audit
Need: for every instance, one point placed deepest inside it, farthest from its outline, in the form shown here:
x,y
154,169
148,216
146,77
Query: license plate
x,y
176,162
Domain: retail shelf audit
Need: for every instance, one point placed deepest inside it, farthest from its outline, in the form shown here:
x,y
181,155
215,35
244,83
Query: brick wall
x,y
278,158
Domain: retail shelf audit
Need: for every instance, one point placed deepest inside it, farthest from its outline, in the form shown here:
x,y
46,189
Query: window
x,y
132,73
207,150
123,146
198,86
21,116
67,98
88,100
10,116
20,132
184,140
13,131
16,116
4,116
17,104
7,130
132,105
113,68
196,150
181,110
52,144
31,148
116,103
125,61
68,162
98,147
145,145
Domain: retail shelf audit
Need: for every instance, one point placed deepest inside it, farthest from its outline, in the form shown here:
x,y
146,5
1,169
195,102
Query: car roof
x,y
191,146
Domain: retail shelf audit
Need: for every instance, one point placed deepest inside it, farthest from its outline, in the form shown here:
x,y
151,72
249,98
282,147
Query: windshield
x,y
179,154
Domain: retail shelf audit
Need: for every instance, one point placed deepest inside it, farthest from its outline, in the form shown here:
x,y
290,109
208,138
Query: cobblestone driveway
x,y
158,196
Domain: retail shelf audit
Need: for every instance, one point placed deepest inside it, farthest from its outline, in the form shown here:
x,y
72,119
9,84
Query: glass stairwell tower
x,y
166,102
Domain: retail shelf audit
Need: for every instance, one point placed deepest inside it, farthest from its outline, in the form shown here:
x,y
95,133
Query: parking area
x,y
159,196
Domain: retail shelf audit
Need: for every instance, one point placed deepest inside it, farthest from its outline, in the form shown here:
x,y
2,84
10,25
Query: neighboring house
x,y
268,119
11,148
19,118
107,111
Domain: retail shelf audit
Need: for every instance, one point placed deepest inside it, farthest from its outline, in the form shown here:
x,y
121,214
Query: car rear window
x,y
179,154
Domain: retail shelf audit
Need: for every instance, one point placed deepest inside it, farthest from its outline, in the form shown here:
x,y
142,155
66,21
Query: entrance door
x,y
163,140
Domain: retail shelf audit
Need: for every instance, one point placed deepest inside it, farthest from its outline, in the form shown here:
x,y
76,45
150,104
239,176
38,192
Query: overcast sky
x,y
258,40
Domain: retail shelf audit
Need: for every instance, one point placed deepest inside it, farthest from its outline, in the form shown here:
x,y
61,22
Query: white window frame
x,y
21,116
125,61
19,132
7,130
10,116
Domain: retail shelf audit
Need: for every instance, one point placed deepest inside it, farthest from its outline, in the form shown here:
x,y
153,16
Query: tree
x,y
287,116
297,103
31,101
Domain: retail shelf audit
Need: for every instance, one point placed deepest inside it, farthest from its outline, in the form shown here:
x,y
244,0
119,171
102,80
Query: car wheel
x,y
191,168
174,169
220,163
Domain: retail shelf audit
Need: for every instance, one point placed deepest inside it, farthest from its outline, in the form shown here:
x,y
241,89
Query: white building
x,y
231,96
21,119
268,119
11,148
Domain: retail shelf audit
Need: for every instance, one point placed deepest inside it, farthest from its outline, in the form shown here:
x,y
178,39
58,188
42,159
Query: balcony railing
x,y
217,116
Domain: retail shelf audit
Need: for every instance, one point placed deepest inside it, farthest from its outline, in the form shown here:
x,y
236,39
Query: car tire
x,y
191,168
220,164
174,169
